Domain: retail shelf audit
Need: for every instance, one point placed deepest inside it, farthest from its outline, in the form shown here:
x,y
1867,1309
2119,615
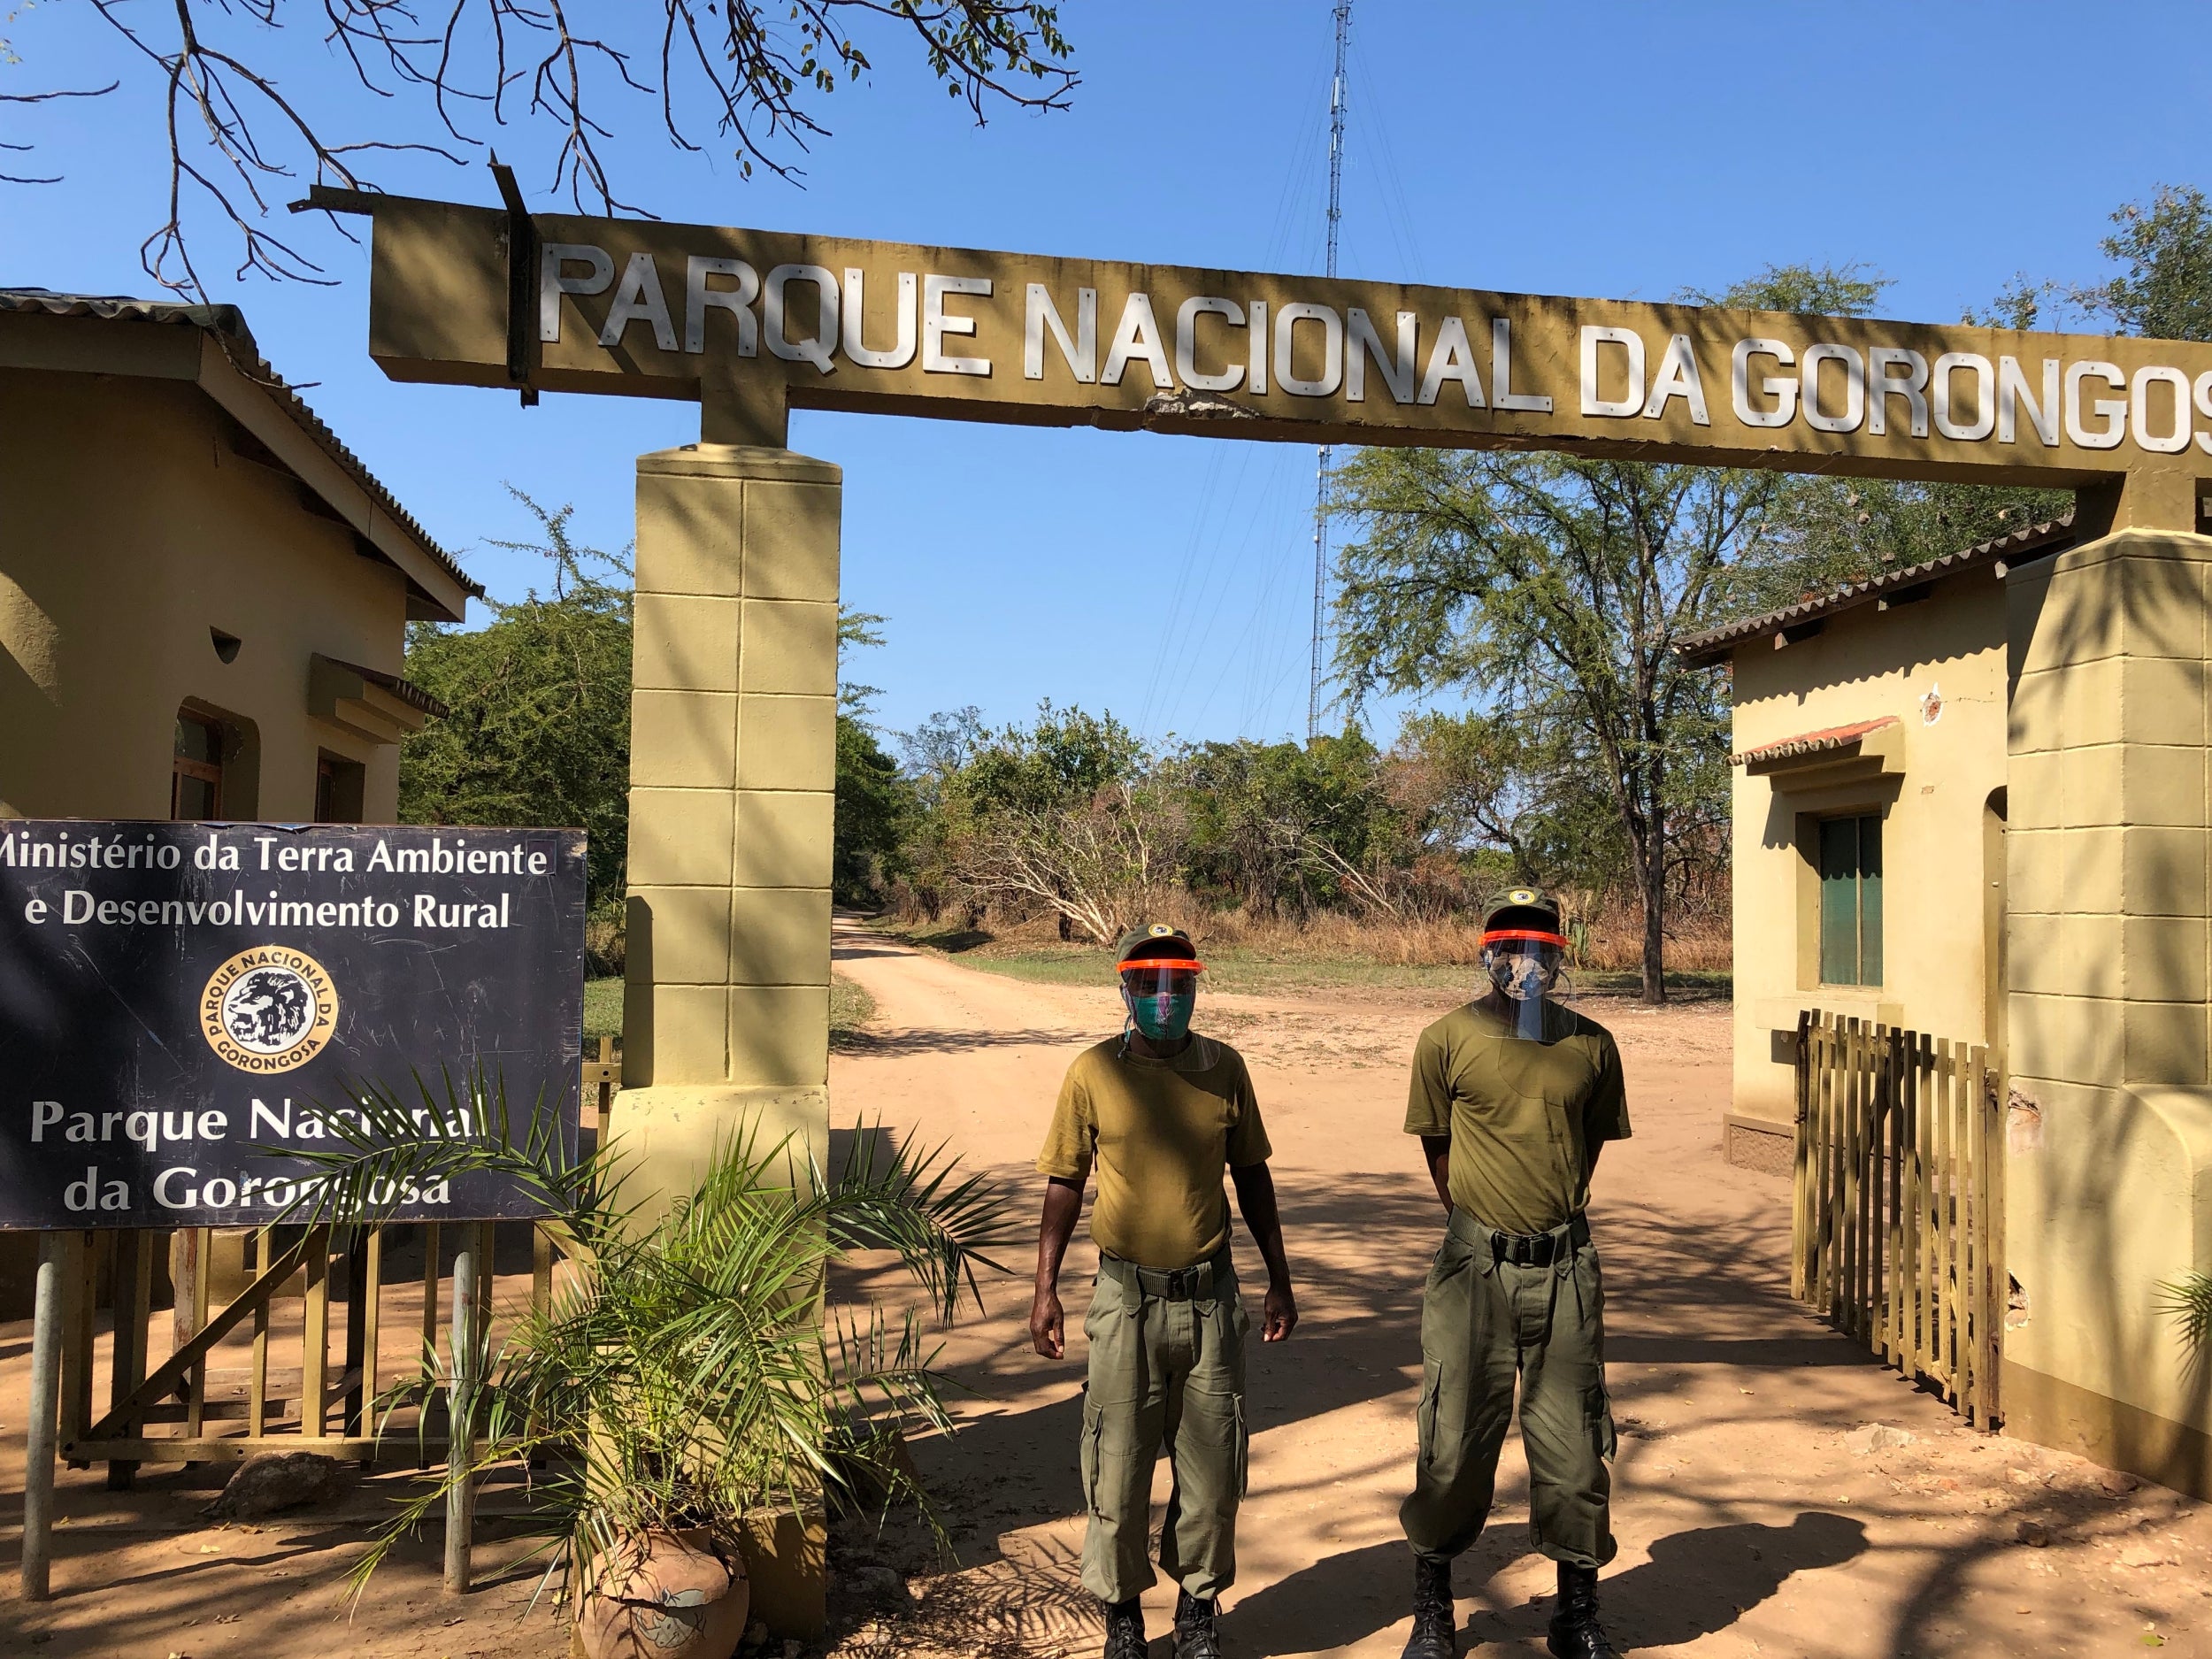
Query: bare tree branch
x,y
752,70
45,97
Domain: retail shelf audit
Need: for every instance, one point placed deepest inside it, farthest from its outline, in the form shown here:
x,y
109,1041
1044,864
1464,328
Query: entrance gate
x,y
734,711
1898,1227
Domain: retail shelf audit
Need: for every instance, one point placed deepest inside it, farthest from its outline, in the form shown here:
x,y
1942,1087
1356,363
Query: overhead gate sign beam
x,y
753,323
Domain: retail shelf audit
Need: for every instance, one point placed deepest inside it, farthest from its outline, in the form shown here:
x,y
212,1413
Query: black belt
x,y
1195,1283
1526,1249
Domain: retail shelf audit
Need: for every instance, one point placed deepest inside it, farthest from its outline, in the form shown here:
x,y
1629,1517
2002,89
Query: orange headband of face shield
x,y
1521,935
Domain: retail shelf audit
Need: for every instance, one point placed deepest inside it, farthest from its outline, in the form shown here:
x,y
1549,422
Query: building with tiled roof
x,y
203,593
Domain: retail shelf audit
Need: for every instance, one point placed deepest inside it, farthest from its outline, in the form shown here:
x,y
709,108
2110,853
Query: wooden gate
x,y
1899,1226
258,1372
296,1352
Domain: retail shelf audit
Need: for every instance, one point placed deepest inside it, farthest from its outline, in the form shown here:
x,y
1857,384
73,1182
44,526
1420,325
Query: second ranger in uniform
x,y
1513,1097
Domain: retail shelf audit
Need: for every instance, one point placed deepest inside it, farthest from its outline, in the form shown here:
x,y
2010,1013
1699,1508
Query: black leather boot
x,y
1195,1634
1435,1624
1575,1630
1125,1630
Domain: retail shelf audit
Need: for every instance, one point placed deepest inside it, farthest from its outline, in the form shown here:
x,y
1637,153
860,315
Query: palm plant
x,y
684,1378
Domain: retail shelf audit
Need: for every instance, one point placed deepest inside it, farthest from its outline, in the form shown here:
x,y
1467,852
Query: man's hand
x,y
1436,1152
1255,1196
1281,1311
1048,1330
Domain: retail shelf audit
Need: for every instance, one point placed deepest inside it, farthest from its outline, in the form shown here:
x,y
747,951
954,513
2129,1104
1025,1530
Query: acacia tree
x,y
246,120
1552,588
2164,287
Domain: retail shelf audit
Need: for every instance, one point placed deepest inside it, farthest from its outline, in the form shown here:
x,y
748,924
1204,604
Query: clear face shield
x,y
1523,964
1160,992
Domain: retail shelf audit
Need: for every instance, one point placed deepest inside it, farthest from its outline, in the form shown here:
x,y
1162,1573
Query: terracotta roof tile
x,y
1812,742
1714,645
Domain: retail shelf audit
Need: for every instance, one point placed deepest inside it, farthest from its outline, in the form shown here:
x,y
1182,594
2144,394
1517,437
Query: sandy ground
x,y
1747,1525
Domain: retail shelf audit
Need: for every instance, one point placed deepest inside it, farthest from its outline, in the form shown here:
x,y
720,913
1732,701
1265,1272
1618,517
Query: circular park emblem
x,y
269,1008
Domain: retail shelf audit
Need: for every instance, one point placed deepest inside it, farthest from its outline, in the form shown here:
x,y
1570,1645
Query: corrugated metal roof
x,y
229,323
1714,645
1818,742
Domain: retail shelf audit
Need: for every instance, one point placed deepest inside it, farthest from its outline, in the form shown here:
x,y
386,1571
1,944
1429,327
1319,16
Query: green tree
x,y
540,728
1057,813
875,805
1512,801
936,753
1551,590
1820,532
2164,287
1062,757
1277,826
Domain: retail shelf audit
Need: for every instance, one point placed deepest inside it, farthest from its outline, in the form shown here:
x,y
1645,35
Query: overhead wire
x,y
1191,640
1385,173
1225,533
1201,551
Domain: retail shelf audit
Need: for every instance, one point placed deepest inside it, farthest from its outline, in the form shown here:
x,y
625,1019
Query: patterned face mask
x,y
1524,964
1160,994
1522,971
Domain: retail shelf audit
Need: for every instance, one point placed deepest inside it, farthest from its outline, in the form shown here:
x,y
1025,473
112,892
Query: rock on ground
x,y
269,1482
1869,1437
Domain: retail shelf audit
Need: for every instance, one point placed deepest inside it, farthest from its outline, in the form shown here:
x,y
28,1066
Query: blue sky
x,y
1629,151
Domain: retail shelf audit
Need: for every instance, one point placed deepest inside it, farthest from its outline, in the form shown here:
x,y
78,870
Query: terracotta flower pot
x,y
669,1596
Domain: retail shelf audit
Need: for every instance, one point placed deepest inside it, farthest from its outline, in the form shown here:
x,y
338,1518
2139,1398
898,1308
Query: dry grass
x,y
1614,943
1260,955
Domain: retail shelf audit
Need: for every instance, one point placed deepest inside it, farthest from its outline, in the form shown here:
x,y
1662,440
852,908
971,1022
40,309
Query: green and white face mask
x,y
1160,994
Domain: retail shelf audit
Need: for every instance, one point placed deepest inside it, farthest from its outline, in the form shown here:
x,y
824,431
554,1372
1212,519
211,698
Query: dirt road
x,y
1746,1524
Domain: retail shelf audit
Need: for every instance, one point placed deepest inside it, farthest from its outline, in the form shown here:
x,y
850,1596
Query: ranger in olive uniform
x,y
1160,1112
1513,1096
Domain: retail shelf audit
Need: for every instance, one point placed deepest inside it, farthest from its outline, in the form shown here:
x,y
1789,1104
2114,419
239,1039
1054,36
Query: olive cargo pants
x,y
1166,1365
1485,1324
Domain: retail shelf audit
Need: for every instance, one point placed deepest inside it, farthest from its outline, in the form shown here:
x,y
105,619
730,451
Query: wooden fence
x,y
258,1372
282,1339
1899,1224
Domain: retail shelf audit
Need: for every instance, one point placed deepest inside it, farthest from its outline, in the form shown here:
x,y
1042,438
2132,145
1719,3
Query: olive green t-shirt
x,y
1161,1132
1523,1116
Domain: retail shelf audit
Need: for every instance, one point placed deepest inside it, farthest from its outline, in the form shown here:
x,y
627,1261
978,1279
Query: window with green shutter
x,y
1851,901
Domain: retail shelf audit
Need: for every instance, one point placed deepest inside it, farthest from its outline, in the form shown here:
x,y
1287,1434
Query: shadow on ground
x,y
1696,1584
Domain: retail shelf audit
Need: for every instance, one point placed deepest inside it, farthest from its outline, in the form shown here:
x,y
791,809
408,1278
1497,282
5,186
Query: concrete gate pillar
x,y
732,769
2108,968
732,762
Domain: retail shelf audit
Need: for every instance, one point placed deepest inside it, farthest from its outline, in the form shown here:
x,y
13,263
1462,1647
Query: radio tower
x,y
1343,13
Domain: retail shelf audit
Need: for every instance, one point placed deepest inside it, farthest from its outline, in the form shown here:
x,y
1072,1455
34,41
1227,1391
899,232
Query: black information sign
x,y
173,996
